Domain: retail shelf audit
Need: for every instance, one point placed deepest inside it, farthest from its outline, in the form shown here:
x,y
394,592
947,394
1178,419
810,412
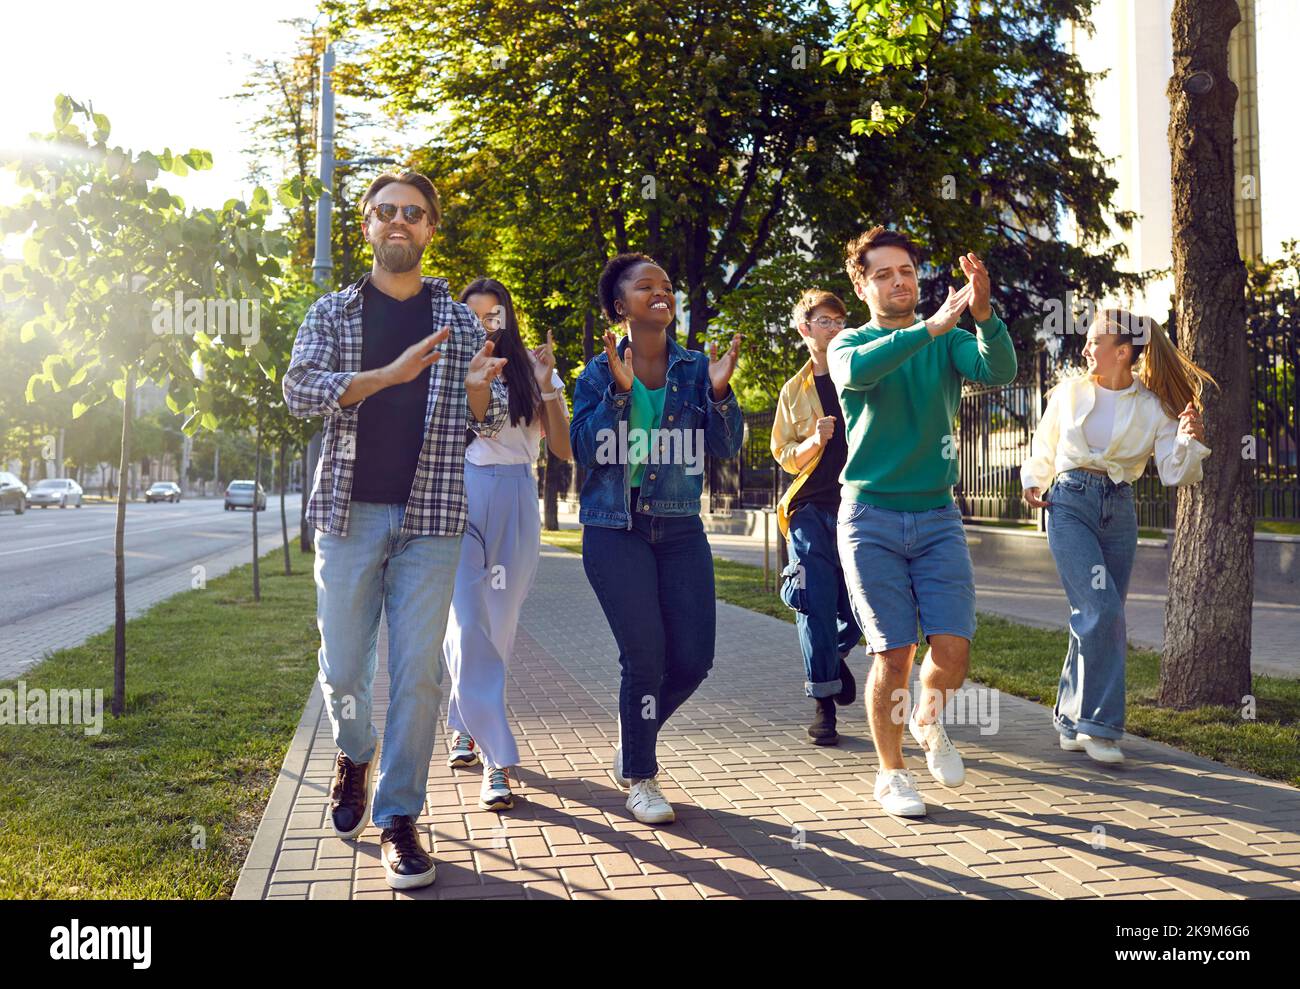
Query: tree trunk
x,y
551,495
119,553
1212,566
257,487
284,519
697,319
311,453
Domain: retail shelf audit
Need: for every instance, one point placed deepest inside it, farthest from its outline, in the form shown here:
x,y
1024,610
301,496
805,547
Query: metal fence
x,y
753,479
1274,343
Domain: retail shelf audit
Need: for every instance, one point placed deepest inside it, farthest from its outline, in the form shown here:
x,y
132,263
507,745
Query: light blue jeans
x,y
410,578
1092,532
905,567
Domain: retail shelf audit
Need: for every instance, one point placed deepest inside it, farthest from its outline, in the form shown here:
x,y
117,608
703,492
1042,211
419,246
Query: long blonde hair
x,y
1161,367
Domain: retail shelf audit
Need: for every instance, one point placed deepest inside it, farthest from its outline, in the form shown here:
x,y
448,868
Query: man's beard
x,y
398,256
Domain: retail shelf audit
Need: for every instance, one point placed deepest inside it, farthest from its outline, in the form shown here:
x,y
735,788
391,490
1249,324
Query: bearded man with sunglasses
x,y
398,370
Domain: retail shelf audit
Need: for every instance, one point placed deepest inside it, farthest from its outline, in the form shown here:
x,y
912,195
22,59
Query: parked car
x,y
61,491
13,493
240,495
163,491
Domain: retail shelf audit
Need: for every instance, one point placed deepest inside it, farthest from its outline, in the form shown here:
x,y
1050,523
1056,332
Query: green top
x,y
644,415
899,390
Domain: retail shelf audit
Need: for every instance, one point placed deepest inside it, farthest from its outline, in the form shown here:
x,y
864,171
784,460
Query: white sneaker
x,y
940,754
1103,750
463,753
896,791
495,793
1070,744
648,804
619,778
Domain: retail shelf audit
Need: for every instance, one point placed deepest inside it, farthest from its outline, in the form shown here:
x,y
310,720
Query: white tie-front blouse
x,y
1141,426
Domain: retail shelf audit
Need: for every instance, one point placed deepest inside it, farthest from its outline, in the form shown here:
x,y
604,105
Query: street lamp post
x,y
322,266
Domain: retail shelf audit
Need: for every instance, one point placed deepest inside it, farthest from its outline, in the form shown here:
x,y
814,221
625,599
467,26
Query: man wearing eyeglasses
x,y
398,370
808,441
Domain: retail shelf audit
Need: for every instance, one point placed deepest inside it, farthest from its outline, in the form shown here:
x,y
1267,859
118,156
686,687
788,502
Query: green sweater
x,y
899,390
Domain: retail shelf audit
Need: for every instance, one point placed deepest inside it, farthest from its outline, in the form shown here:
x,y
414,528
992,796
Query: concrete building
x,y
1132,44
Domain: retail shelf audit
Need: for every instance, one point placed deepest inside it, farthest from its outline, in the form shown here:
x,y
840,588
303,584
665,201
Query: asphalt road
x,y
54,557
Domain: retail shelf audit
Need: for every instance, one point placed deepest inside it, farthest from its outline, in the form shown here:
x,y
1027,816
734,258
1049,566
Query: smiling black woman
x,y
643,546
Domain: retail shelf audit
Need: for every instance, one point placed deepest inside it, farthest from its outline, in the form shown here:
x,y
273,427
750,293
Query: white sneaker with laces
x,y
463,753
896,792
648,804
1103,750
495,793
940,754
619,778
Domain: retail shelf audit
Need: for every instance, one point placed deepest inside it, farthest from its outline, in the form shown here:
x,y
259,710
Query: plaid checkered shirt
x,y
327,355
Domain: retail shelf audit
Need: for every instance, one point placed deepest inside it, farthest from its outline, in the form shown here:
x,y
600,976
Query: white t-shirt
x,y
517,443
1099,423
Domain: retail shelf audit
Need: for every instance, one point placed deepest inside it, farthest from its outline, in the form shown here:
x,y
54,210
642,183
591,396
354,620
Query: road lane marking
x,y
91,539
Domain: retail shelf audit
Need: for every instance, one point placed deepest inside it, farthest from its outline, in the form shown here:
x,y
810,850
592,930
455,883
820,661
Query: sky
x,y
163,72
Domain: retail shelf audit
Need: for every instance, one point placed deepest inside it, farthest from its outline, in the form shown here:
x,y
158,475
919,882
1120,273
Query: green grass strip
x,y
215,688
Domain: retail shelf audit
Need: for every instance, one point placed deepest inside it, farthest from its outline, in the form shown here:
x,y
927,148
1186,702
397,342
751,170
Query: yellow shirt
x,y
1141,427
797,412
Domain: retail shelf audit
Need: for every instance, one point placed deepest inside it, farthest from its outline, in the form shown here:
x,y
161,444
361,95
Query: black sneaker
x,y
349,796
406,863
822,730
848,686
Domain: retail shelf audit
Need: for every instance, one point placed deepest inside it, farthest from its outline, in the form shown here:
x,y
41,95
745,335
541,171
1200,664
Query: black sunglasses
x,y
388,212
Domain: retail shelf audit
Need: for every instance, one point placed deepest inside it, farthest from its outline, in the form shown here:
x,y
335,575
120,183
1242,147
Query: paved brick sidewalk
x,y
761,813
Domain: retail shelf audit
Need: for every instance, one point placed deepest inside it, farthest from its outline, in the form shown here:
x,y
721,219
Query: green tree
x,y
721,138
106,253
241,386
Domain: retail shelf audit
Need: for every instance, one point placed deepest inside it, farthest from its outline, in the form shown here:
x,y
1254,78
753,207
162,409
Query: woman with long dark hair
x,y
641,432
502,544
1139,396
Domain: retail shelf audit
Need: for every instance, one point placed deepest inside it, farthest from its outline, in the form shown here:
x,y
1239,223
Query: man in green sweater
x,y
900,535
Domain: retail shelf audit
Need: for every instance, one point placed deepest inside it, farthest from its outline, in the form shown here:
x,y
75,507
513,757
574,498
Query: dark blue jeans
x,y
655,585
813,585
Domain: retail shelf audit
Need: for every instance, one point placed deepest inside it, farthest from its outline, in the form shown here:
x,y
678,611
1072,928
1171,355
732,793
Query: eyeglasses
x,y
387,212
825,323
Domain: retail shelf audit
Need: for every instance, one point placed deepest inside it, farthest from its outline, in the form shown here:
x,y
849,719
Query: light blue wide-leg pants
x,y
498,562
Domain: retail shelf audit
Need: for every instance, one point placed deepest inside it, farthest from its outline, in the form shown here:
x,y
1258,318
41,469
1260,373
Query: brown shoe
x,y
822,731
349,796
406,863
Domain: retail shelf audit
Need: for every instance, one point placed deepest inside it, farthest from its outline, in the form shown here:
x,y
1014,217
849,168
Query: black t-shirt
x,y
823,485
390,423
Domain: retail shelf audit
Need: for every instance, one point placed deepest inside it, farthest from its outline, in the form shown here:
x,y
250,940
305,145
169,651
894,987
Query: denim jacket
x,y
692,423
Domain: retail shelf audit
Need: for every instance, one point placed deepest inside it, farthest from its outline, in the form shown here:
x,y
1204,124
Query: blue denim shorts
x,y
905,569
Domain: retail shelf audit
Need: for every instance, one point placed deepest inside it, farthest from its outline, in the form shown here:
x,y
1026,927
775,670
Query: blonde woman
x,y
1140,396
